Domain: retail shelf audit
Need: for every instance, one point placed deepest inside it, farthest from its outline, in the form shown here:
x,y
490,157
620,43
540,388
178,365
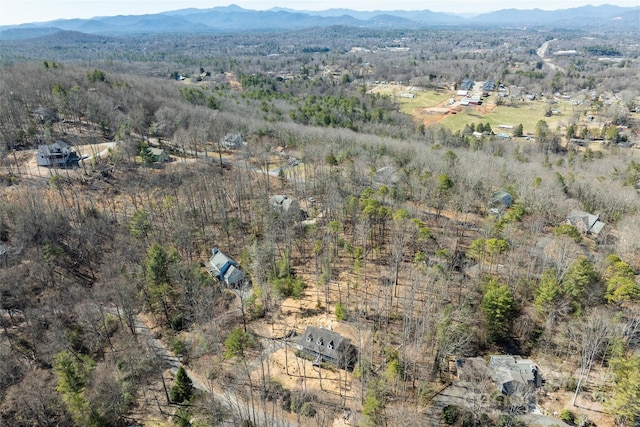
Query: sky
x,y
14,12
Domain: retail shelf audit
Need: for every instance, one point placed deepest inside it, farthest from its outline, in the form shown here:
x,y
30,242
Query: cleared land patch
x,y
431,107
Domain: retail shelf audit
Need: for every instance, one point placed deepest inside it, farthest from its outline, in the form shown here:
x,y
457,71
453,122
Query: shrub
x,y
303,404
341,312
510,421
567,416
308,410
450,414
178,346
571,383
467,419
237,342
182,417
568,230
288,287
177,322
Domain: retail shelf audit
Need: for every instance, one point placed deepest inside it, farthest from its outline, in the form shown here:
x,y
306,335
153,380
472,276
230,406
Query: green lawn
x,y
528,114
422,100
407,105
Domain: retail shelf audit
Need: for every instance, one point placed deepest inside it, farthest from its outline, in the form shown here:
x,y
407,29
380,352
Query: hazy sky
x,y
23,11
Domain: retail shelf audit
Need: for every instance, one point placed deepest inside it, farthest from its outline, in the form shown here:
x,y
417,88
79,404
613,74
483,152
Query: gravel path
x,y
233,403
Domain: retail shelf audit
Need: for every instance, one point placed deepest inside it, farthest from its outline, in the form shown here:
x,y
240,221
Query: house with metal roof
x,y
471,100
284,204
500,200
489,85
225,269
159,155
467,84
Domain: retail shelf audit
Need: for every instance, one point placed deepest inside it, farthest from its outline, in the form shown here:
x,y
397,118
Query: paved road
x,y
542,53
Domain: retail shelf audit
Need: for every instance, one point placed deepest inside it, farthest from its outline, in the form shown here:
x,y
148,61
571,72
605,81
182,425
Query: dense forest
x,y
398,239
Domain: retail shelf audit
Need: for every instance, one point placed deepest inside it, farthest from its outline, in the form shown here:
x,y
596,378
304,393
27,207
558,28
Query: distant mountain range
x,y
236,19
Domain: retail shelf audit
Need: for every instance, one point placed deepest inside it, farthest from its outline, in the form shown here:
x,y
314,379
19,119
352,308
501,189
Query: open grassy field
x,y
422,100
528,114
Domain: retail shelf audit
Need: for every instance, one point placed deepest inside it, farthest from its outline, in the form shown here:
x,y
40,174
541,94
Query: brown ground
x,y
233,81
336,386
434,115
595,411
27,166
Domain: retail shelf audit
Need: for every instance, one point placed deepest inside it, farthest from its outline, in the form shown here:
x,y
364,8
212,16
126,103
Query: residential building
x,y
233,141
325,345
160,155
585,222
467,84
58,154
513,372
225,269
286,206
489,85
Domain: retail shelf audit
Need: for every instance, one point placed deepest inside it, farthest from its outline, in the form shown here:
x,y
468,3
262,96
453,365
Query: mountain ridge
x,y
234,18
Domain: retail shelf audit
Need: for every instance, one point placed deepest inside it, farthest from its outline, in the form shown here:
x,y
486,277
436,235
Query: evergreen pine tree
x,y
182,389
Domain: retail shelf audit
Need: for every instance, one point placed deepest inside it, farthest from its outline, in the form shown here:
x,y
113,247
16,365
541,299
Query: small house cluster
x,y
469,98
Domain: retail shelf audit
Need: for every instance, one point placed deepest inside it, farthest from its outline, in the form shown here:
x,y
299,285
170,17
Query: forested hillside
x,y
428,227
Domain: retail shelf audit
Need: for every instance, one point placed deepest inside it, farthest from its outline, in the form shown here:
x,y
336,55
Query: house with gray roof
x,y
233,141
287,207
585,222
46,115
284,203
225,269
500,200
324,345
489,85
467,84
513,372
58,154
160,155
